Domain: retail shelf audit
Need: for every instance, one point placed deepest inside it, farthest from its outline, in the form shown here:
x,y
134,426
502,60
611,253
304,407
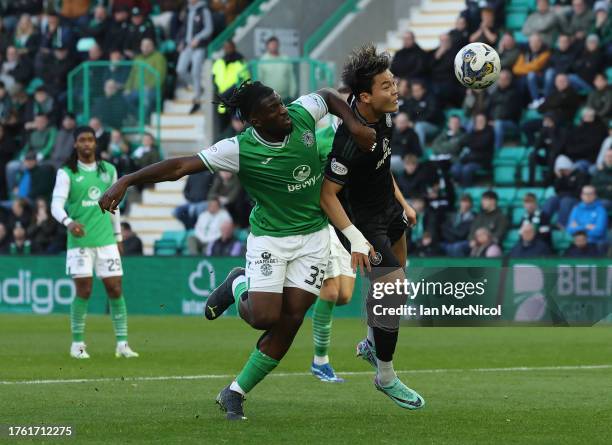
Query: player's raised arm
x,y
363,135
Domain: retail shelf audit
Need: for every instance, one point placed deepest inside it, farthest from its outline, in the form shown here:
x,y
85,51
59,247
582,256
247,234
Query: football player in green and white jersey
x,y
278,164
94,239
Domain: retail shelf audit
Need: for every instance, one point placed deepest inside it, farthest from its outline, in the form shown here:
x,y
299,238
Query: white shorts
x,y
273,263
339,259
80,261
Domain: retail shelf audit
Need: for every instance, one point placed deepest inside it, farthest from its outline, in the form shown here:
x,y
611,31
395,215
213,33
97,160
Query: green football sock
x,y
257,367
239,286
119,317
78,313
321,326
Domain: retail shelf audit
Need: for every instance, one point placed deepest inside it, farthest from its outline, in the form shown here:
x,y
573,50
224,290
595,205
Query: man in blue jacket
x,y
589,216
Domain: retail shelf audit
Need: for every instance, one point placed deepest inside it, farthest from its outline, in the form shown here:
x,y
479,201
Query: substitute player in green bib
x,y
278,164
94,239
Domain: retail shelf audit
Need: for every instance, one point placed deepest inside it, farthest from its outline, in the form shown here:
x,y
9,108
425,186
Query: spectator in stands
x,y
505,108
5,240
561,61
482,245
40,103
529,245
460,35
5,37
132,245
20,245
508,51
427,247
607,145
423,110
440,196
228,71
64,141
585,141
115,70
53,32
112,107
195,192
120,154
603,27
442,73
562,102
486,32
21,213
416,176
476,102
6,103
227,245
8,149
534,216
16,70
54,69
40,142
568,183
194,35
115,38
490,217
579,21
102,136
476,152
99,26
600,99
410,62
587,65
602,181
147,153
581,247
276,71
226,188
544,21
530,65
425,222
157,61
26,39
208,227
404,141
44,231
36,180
589,216
448,143
140,28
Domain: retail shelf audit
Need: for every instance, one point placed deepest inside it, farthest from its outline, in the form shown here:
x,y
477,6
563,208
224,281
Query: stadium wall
x,y
544,290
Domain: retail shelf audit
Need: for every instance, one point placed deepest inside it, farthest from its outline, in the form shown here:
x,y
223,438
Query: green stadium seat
x,y
521,192
177,236
504,172
517,216
561,240
515,20
165,247
609,74
516,154
530,115
550,191
520,37
539,173
505,196
511,239
241,234
185,247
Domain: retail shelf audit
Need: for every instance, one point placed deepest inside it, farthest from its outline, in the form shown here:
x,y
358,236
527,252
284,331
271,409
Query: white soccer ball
x,y
477,66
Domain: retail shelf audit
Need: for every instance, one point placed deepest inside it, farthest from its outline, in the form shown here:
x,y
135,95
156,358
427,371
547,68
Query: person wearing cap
x,y
140,28
568,183
192,39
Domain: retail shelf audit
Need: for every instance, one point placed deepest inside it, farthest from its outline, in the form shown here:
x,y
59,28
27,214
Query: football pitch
x,y
482,385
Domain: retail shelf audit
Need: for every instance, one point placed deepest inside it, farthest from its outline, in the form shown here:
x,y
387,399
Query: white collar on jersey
x,y
87,167
270,144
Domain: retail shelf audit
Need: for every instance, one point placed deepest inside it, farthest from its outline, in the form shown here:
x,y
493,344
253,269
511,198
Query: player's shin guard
x,y
321,327
256,369
78,313
119,317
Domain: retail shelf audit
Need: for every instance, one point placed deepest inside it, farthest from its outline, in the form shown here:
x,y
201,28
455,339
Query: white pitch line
x,y
301,374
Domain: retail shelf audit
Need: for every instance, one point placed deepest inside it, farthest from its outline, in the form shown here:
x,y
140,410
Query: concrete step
x,y
443,18
188,134
171,186
443,6
151,211
179,120
171,147
167,198
183,94
177,106
149,223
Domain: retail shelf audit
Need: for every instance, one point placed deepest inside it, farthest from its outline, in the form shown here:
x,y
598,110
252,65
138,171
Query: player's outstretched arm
x,y
168,170
333,208
363,135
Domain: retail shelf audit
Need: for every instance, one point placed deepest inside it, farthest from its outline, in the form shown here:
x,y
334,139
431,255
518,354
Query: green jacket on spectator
x,y
155,60
41,142
447,144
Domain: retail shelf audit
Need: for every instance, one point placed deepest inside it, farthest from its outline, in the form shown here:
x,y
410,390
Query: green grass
x,y
546,406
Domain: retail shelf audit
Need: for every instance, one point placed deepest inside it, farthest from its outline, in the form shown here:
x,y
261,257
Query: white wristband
x,y
67,221
358,242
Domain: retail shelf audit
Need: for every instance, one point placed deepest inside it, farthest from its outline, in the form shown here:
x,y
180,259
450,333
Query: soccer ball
x,y
477,66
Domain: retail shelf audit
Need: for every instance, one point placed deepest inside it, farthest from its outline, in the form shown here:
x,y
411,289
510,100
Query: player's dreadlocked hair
x,y
244,99
72,161
361,66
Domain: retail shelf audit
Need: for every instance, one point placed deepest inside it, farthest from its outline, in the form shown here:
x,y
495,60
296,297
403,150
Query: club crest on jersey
x,y
301,173
94,193
105,177
388,120
376,259
338,168
308,138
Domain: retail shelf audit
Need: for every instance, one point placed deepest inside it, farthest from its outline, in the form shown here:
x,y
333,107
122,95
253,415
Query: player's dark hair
x,y
245,99
72,161
361,66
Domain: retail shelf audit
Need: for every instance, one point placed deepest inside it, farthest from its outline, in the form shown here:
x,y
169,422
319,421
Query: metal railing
x,y
91,94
